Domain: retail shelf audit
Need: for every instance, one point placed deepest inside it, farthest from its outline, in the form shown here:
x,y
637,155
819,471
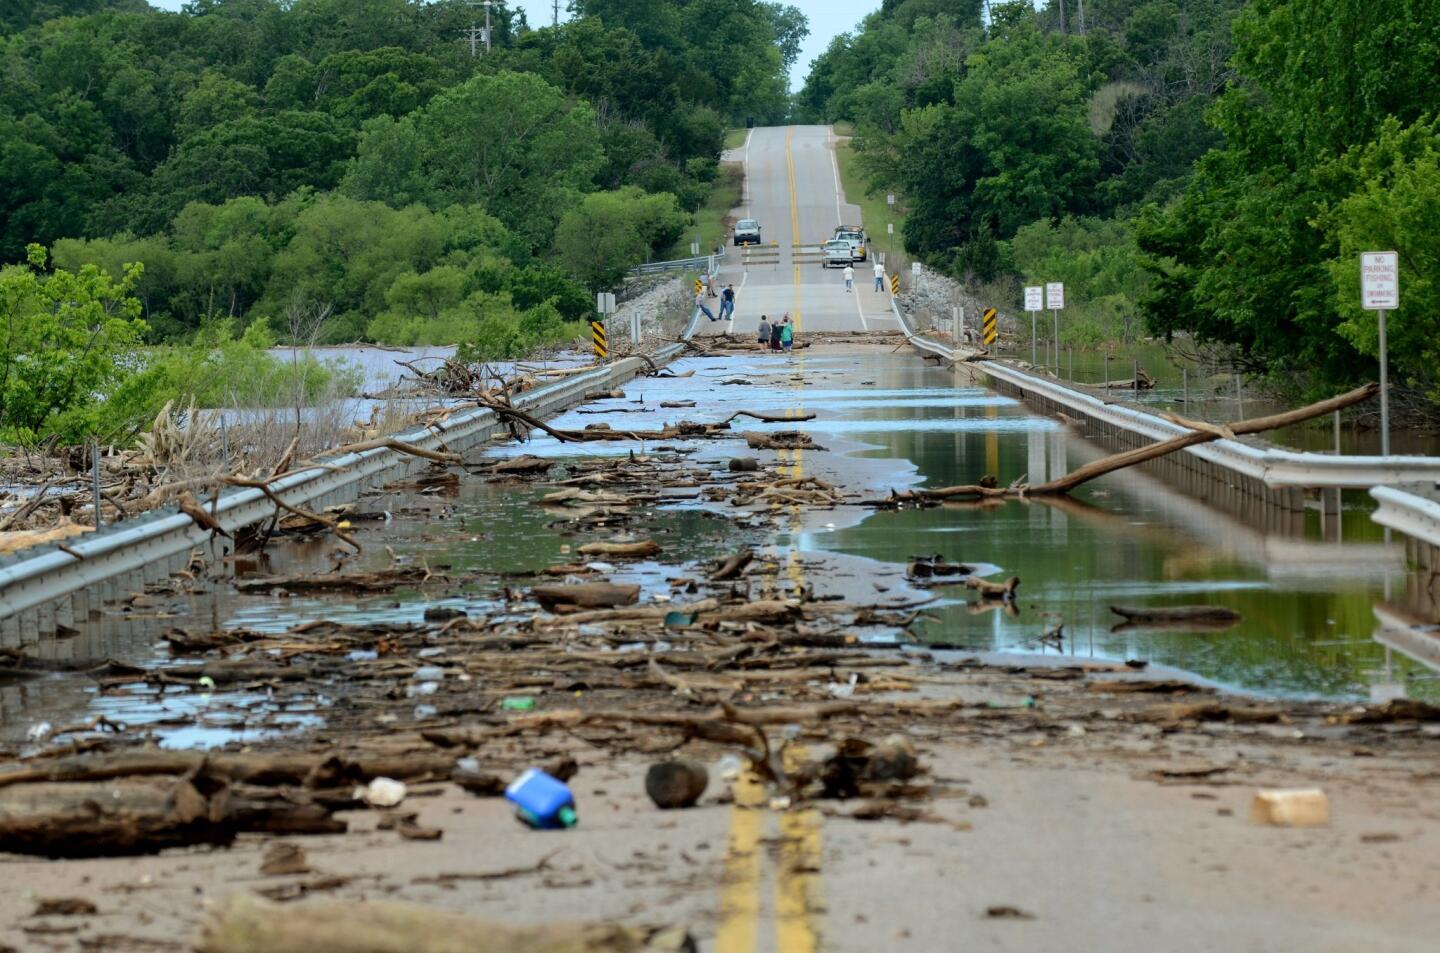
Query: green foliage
x,y
1103,272
64,338
1331,112
1395,207
510,143
1015,146
346,168
608,233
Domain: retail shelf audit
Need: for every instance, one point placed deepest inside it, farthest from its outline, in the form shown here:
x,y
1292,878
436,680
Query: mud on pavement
x,y
311,748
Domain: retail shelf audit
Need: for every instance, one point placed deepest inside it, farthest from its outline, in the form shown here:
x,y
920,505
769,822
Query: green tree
x,y
1396,207
64,337
509,143
610,232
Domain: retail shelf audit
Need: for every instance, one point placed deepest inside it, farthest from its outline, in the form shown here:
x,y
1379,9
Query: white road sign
x,y
1055,295
1034,298
1379,280
915,268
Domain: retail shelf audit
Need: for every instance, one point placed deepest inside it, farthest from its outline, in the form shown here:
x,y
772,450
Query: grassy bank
x,y
875,213
735,138
710,217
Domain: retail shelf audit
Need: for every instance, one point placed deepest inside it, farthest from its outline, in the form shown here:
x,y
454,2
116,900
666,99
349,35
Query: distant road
x,y
792,187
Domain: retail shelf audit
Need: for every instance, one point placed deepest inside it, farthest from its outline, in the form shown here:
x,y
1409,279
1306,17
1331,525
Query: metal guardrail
x,y
1408,512
1275,468
127,555
678,264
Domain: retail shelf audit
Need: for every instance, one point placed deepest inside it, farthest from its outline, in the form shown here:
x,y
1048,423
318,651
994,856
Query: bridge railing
x,y
1276,468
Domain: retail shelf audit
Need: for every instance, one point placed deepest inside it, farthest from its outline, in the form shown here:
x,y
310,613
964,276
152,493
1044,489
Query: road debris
x,y
676,784
248,924
1302,807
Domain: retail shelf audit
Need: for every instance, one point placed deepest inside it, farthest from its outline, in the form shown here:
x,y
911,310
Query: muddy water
x,y
1307,584
1214,397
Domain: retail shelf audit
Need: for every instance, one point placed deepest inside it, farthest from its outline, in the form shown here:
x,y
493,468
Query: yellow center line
x,y
794,221
740,900
797,881
797,878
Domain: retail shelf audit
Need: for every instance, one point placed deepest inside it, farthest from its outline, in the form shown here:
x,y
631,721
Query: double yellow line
x,y
794,220
797,874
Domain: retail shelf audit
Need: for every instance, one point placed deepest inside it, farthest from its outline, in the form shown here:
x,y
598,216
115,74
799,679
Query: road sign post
x,y
1380,292
1034,303
990,331
1055,301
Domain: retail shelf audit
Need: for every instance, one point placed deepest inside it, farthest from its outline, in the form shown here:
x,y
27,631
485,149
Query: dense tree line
x,y
285,158
1206,167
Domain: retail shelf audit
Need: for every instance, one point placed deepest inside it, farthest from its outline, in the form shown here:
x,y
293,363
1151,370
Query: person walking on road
x,y
879,277
849,278
763,336
700,303
787,335
727,303
710,286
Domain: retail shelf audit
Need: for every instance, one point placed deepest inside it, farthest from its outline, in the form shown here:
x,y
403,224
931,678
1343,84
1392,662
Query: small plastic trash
x,y
362,655
429,673
674,620
424,711
39,731
518,703
423,688
541,801
381,792
206,682
729,767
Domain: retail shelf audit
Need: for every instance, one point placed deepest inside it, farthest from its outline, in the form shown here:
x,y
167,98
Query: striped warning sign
x,y
988,324
894,284
698,286
597,335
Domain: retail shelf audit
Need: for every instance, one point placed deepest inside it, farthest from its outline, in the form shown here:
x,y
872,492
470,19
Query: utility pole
x,y
555,13
475,34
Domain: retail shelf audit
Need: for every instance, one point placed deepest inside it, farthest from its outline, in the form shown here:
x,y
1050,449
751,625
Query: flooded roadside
x,y
889,421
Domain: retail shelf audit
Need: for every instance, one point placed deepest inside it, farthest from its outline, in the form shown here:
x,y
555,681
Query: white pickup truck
x,y
837,252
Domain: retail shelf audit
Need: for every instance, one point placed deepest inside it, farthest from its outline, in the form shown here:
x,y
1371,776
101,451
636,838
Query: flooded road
x,y
889,421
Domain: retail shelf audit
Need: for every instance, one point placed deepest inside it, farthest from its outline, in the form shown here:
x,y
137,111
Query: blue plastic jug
x,y
542,801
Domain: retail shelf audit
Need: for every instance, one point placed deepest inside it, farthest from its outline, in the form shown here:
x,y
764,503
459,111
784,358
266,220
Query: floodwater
x,y
1308,586
1188,391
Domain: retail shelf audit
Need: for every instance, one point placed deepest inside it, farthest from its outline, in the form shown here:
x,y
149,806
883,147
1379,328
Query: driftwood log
x,y
139,815
247,924
644,547
1177,613
1200,432
590,595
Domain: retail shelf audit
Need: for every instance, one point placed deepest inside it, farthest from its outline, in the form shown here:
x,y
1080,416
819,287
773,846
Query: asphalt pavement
x,y
792,187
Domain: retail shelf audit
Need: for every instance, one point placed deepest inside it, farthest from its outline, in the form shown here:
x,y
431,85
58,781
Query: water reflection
x,y
1130,539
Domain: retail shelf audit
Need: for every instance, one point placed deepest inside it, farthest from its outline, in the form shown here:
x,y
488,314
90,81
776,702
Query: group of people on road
x,y
778,335
727,302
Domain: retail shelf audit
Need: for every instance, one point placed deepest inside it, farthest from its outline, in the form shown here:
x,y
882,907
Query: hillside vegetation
x,y
1207,168
180,190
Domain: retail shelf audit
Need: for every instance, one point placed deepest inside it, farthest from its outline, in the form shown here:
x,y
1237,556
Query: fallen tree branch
x,y
264,487
1129,458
